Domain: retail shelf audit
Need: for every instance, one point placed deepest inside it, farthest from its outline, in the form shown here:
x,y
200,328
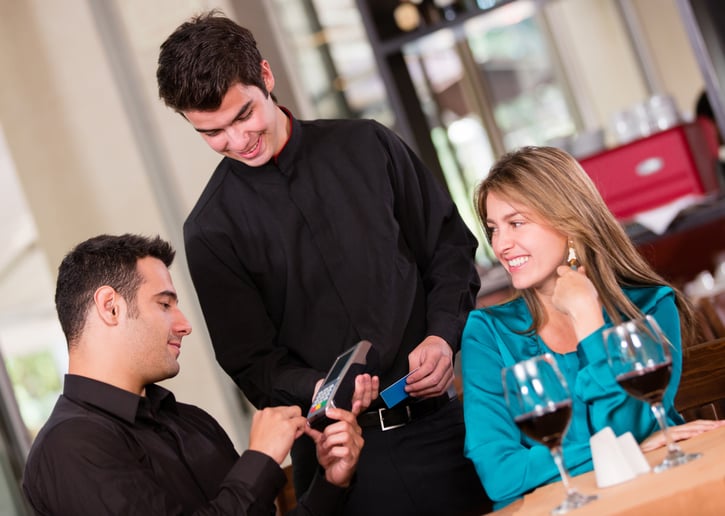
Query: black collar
x,y
121,403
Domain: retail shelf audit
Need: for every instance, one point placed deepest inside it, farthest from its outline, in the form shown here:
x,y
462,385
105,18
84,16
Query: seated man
x,y
116,443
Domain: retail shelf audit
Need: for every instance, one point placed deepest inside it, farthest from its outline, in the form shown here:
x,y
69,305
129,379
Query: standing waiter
x,y
312,235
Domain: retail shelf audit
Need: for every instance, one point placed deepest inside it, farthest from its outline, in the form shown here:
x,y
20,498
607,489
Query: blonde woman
x,y
575,271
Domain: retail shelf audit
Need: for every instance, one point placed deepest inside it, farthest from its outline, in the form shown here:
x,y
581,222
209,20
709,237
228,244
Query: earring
x,y
571,259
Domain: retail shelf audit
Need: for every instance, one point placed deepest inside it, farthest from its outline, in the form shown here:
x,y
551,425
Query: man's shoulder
x,y
351,123
68,416
342,127
69,427
212,187
353,140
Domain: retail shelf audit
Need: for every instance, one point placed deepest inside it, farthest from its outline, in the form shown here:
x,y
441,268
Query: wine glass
x,y
539,401
640,358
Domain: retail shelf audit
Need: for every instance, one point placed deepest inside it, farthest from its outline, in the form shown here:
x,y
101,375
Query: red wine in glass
x,y
546,427
639,356
540,402
647,384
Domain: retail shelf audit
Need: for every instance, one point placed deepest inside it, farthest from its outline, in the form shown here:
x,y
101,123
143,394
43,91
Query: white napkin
x,y
659,219
616,459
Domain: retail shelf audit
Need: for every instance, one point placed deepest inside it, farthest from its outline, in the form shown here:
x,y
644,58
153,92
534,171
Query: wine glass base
x,y
573,500
674,459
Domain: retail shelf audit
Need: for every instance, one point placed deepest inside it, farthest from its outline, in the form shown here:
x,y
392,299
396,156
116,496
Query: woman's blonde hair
x,y
555,187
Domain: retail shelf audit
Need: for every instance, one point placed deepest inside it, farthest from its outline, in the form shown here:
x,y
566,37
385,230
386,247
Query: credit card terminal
x,y
339,384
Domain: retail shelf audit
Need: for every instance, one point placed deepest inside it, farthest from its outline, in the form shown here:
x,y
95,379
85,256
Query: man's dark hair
x,y
203,58
102,260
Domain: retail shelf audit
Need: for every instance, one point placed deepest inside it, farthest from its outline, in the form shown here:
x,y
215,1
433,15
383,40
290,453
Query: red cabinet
x,y
658,169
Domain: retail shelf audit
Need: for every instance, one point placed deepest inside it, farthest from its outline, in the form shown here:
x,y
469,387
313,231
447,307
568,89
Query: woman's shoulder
x,y
509,308
647,296
504,330
512,315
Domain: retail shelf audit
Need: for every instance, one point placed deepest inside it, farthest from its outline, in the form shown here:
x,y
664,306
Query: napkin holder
x,y
616,459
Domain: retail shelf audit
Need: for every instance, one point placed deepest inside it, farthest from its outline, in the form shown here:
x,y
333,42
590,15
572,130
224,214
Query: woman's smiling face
x,y
526,246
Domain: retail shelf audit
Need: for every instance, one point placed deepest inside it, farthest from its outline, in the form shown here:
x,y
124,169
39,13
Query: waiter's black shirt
x,y
105,450
345,235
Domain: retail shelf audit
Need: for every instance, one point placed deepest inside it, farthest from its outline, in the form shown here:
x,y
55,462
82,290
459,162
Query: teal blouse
x,y
511,464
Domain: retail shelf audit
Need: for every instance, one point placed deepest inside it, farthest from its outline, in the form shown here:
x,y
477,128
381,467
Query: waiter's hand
x,y
366,391
338,446
317,388
433,359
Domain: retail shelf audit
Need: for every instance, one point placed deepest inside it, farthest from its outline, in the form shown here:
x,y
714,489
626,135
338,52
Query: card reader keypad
x,y
322,397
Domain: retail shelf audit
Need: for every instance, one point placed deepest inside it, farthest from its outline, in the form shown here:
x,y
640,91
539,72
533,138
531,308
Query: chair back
x,y
711,313
286,499
701,394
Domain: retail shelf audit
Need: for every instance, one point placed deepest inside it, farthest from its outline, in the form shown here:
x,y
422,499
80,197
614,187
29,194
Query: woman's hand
x,y
680,433
575,295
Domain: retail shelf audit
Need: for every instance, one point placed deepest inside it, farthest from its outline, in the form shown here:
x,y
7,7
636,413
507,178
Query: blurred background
x,y
86,147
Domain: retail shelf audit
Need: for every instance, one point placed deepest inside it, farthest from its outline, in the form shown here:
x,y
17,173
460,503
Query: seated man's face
x,y
153,331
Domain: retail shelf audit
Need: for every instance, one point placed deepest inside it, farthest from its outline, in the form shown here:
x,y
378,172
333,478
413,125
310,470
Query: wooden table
x,y
694,488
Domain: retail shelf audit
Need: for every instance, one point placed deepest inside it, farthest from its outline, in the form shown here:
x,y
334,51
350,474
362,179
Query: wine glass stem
x,y
659,412
559,461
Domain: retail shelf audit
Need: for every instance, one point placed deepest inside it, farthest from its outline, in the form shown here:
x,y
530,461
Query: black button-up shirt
x,y
105,450
344,236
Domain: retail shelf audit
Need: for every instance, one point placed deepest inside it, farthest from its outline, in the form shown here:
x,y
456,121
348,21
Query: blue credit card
x,y
395,393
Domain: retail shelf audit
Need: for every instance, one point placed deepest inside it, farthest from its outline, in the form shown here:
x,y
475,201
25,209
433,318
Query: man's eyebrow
x,y
168,293
239,114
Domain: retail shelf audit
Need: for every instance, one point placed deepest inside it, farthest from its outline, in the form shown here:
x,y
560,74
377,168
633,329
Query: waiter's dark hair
x,y
203,58
97,262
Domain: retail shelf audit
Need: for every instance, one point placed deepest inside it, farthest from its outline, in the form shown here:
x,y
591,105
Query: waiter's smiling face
x,y
248,126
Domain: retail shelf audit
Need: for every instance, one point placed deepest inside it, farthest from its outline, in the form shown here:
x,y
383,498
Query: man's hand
x,y
339,445
317,388
366,391
274,429
434,360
